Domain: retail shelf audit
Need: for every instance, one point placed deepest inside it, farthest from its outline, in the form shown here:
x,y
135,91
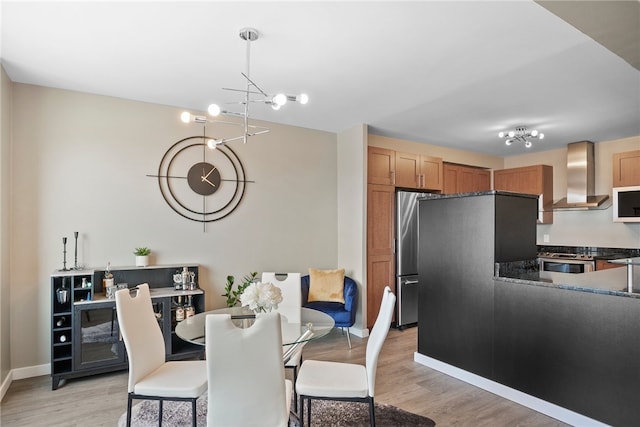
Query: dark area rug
x,y
324,413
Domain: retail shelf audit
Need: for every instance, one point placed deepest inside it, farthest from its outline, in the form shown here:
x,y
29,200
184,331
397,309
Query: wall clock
x,y
201,184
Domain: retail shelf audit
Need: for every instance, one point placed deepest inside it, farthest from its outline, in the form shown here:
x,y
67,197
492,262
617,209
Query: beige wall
x,y
79,165
584,228
352,149
5,144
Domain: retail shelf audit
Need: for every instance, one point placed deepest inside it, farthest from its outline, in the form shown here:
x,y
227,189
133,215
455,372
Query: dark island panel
x,y
578,350
458,246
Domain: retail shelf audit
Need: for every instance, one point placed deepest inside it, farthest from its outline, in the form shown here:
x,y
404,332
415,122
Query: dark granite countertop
x,y
608,282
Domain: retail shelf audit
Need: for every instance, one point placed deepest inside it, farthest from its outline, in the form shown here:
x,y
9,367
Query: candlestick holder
x,y
64,252
75,264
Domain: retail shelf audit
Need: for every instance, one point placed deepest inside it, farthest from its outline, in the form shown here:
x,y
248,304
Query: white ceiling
x,y
448,73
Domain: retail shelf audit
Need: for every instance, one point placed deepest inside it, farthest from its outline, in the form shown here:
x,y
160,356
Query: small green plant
x,y
233,296
142,251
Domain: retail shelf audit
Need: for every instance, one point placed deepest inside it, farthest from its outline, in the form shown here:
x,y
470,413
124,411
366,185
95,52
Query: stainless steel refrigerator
x,y
407,257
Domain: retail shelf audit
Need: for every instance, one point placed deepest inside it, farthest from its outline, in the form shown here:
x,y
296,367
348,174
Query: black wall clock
x,y
201,184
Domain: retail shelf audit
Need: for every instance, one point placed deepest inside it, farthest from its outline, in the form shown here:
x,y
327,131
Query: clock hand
x,y
204,179
207,175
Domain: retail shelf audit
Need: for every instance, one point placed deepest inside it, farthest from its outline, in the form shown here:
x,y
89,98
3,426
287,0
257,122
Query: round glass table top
x,y
313,324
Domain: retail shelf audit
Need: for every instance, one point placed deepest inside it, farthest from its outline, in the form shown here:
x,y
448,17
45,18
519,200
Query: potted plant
x,y
233,296
142,256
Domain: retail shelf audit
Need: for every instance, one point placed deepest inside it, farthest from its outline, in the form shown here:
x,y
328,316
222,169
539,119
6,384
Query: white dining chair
x,y
150,376
290,307
247,386
347,381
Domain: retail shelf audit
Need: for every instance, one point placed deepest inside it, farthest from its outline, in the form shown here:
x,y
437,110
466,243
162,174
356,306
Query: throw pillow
x,y
326,285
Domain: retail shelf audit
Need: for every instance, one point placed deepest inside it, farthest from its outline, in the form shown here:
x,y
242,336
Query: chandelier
x,y
521,134
252,93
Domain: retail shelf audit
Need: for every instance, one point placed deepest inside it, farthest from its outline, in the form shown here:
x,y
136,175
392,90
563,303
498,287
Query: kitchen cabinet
x,y
85,337
537,180
418,171
603,264
465,179
381,166
626,169
380,245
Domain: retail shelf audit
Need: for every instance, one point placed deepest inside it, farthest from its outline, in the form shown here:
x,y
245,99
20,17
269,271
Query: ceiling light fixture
x,y
252,94
521,134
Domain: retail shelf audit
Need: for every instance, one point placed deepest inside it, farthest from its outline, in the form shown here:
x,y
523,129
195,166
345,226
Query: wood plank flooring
x,y
101,399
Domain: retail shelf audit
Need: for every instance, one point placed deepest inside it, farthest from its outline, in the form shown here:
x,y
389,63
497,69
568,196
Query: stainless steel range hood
x,y
581,180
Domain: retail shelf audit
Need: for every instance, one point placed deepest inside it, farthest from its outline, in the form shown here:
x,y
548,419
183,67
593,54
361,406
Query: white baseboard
x,y
361,333
5,385
539,405
21,373
31,371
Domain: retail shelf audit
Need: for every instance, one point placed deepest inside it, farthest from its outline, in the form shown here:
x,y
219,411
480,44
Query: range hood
x,y
581,180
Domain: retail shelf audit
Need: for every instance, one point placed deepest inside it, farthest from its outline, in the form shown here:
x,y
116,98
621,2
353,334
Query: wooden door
x,y
483,180
407,170
381,166
626,169
380,245
450,184
431,171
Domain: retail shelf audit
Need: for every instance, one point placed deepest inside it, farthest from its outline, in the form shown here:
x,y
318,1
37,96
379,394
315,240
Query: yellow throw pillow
x,y
326,285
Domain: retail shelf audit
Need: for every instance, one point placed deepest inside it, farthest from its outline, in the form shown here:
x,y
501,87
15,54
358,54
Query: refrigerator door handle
x,y
410,282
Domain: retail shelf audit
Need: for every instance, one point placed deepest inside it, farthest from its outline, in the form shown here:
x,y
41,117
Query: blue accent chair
x,y
344,315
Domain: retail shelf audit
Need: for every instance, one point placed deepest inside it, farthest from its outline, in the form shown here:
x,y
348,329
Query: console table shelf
x,y
85,337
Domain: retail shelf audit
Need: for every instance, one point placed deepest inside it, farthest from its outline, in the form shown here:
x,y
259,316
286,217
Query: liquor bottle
x,y
179,311
60,321
107,282
189,310
63,338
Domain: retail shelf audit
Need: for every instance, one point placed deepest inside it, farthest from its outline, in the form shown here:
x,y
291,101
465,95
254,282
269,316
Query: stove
x,y
556,255
555,262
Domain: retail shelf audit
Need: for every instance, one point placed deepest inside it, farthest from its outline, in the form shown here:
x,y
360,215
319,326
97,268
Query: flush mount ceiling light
x,y
252,94
521,134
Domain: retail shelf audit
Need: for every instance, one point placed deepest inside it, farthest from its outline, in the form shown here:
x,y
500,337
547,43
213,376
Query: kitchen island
x,y
567,345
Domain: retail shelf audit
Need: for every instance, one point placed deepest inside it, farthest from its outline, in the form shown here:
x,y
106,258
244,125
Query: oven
x,y
565,263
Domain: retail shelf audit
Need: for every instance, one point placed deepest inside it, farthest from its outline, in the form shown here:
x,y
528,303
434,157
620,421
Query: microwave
x,y
626,204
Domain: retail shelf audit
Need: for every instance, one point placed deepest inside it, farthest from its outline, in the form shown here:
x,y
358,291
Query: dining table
x,y
313,324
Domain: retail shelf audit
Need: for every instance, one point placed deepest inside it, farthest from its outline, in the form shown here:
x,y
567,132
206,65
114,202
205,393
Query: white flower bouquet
x,y
261,297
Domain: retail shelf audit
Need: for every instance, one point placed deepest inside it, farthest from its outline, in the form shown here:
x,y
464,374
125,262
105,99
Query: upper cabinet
x,y
381,166
418,171
536,180
465,179
626,169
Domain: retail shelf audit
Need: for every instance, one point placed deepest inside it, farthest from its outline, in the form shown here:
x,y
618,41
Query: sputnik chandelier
x,y
252,94
521,134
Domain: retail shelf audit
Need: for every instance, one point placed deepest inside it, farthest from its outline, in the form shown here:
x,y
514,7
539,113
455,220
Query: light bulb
x,y
512,134
214,110
275,106
508,142
541,136
501,135
185,117
280,99
534,133
527,144
303,98
212,143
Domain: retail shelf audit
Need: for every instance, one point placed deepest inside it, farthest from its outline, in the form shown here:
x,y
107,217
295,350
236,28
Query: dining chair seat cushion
x,y
332,379
175,379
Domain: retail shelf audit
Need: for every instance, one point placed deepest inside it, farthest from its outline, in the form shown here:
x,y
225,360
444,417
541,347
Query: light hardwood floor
x,y
100,400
